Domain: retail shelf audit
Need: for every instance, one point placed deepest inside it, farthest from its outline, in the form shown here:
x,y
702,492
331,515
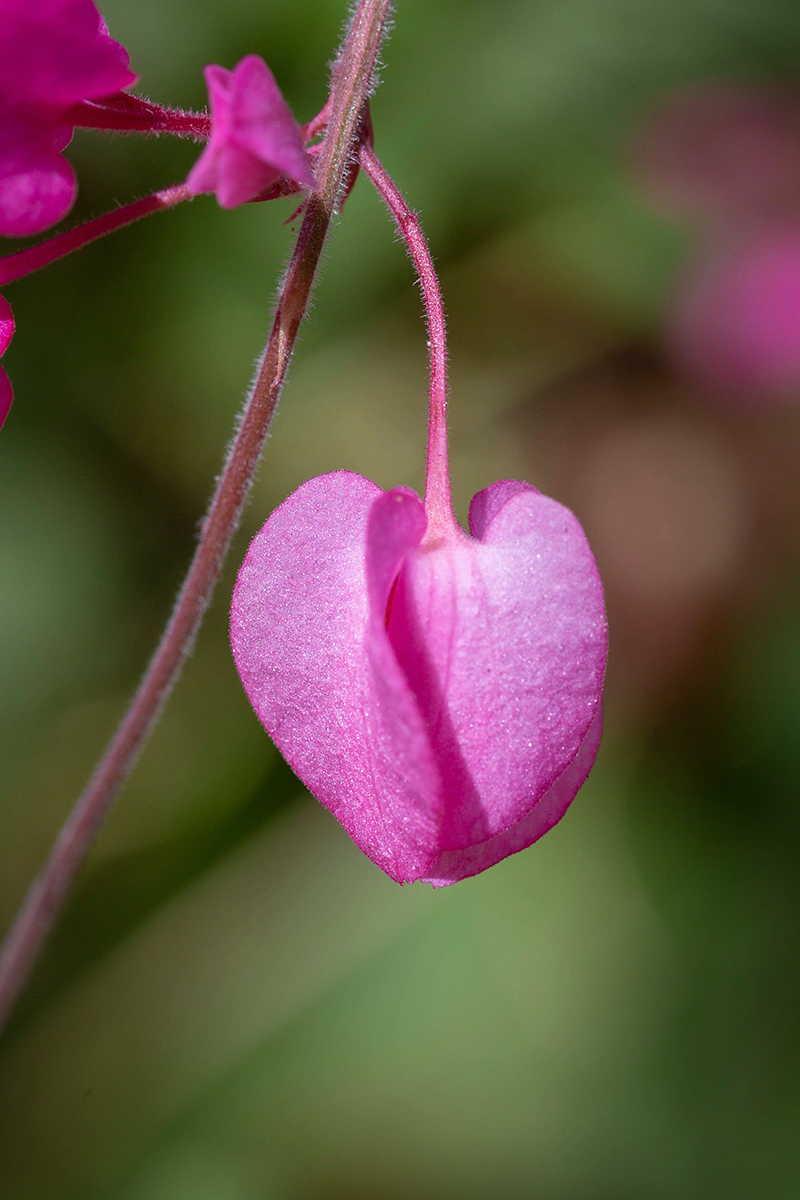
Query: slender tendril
x,y
438,503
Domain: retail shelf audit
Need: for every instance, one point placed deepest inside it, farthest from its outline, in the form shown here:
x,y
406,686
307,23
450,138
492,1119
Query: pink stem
x,y
438,503
131,114
352,83
317,124
24,262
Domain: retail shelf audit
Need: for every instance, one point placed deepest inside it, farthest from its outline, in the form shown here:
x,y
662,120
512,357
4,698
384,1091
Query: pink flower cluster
x,y
60,68
729,157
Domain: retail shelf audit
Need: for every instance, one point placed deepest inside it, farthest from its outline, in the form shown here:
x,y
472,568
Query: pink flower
x,y
723,152
254,137
6,334
54,54
729,156
735,324
439,693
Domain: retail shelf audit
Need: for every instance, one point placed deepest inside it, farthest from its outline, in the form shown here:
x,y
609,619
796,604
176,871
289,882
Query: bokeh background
x,y
236,1005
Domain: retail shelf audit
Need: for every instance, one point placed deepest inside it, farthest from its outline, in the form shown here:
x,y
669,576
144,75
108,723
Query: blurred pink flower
x,y
254,137
723,152
735,322
728,155
439,693
54,54
6,334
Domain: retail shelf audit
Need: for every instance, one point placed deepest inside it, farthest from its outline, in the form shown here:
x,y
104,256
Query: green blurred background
x,y
237,1005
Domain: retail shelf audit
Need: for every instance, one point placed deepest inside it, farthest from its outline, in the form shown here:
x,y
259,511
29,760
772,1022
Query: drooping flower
x,y
6,334
439,693
254,137
54,54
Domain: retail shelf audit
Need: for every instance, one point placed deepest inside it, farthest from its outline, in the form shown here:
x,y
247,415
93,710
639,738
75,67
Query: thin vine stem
x,y
438,503
351,83
127,113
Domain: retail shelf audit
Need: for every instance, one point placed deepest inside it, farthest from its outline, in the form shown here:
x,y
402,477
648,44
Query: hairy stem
x,y
127,113
438,504
352,81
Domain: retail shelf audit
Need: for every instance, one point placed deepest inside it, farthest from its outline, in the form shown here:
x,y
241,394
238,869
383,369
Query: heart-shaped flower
x,y
441,696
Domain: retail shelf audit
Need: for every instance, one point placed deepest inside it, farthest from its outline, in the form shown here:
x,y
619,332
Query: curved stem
x,y
438,503
352,80
25,262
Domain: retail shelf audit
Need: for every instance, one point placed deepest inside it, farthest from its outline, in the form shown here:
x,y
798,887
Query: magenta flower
x,y
439,693
254,137
6,334
54,54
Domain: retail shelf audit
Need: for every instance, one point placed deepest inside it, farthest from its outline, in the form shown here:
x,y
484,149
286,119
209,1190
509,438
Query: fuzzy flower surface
x,y
440,693
54,54
254,137
6,334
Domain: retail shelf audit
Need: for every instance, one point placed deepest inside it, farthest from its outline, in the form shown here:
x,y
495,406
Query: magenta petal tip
x,y
254,137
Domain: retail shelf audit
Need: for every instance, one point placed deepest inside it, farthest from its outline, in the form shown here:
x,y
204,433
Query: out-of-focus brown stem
x,y
352,80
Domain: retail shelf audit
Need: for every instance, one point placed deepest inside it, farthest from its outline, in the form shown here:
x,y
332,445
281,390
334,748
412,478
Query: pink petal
x,y
55,53
503,642
6,325
487,504
254,137
263,122
241,176
37,187
548,810
315,661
